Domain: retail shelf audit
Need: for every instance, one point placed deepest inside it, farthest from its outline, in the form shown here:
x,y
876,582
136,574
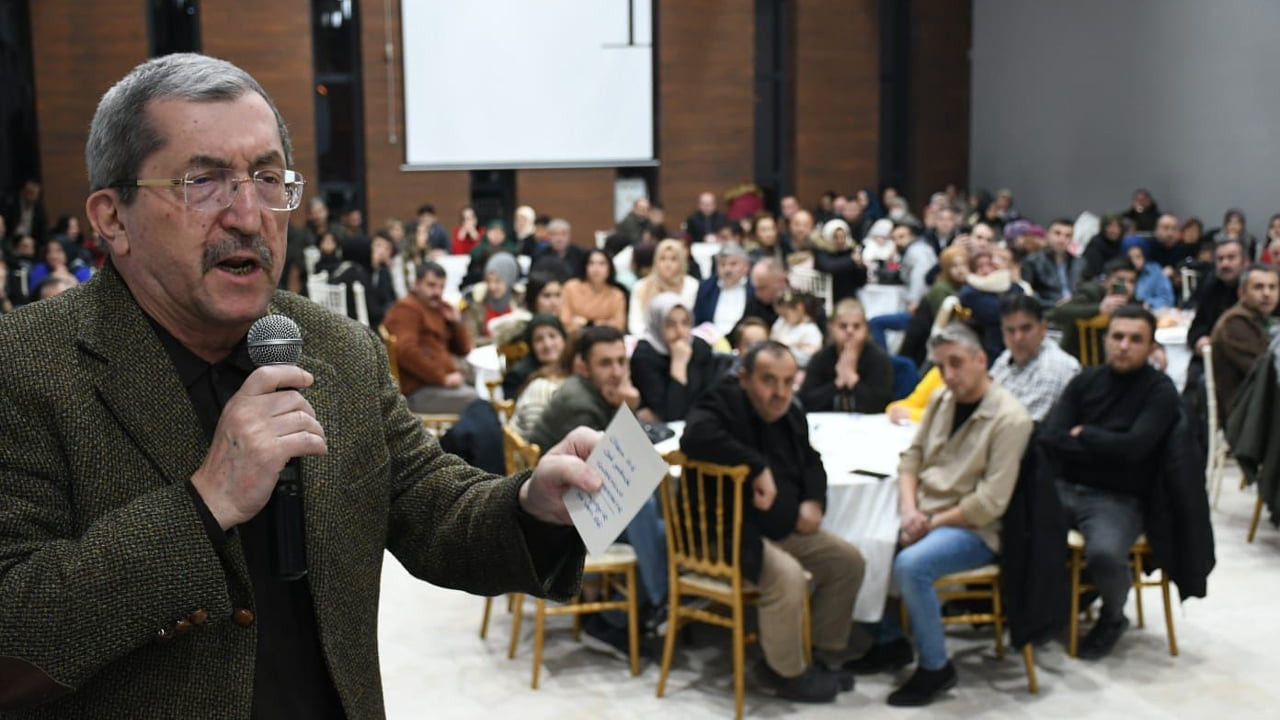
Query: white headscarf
x,y
656,319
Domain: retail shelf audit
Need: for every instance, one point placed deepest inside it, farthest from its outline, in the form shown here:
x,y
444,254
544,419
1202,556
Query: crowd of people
x,y
982,353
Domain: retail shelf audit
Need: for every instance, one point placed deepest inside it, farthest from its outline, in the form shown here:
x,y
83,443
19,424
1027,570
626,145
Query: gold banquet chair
x,y
1137,556
981,583
518,454
701,565
389,342
1091,332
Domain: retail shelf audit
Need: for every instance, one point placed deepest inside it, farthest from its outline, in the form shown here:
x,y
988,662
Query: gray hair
x,y
957,334
122,134
558,224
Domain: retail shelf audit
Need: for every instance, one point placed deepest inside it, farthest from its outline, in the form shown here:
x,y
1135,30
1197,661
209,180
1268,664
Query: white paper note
x,y
631,470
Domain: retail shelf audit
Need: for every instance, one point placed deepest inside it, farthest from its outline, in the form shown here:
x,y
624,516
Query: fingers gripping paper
x,y
630,470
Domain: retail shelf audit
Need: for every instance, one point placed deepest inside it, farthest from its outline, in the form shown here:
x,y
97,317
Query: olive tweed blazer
x,y
102,552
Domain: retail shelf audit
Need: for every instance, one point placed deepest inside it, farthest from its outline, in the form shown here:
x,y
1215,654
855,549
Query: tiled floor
x,y
434,664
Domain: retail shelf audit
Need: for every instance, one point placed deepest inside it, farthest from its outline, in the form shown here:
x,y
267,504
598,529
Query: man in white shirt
x,y
723,298
1032,367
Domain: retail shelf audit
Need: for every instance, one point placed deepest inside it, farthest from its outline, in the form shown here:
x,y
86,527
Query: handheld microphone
x,y
276,340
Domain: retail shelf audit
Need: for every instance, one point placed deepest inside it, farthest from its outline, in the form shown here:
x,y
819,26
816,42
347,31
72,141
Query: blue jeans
x,y
1110,522
892,321
647,535
943,551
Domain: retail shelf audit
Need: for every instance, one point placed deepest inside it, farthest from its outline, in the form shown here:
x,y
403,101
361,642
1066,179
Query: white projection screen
x,y
527,83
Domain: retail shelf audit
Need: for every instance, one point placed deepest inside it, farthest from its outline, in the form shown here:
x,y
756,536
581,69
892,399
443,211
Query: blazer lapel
x,y
133,376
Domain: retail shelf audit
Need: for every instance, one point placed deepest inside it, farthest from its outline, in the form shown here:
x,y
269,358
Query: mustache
x,y
215,253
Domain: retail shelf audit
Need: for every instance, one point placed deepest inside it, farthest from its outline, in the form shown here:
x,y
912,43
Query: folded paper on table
x,y
630,469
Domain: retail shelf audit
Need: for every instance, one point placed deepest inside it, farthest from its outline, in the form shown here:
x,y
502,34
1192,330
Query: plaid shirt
x,y
1040,382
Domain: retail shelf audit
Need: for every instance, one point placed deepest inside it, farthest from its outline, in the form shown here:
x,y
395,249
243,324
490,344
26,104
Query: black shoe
x,y
885,657
1102,638
814,685
844,678
605,638
653,621
924,687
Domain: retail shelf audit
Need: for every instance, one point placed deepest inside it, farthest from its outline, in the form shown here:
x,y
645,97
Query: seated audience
x,y
748,332
635,223
918,259
318,222
1152,287
599,385
954,481
670,274
1217,293
706,220
381,293
594,298
536,376
1243,333
796,326
1166,248
356,246
560,256
801,233
850,374
911,408
879,253
1102,248
1054,272
1032,367
1104,435
53,261
543,293
1233,228
722,299
53,285
6,302
669,367
494,297
953,270
495,241
431,344
768,285
466,236
428,234
765,241
1143,211
835,253
1094,298
752,420
990,280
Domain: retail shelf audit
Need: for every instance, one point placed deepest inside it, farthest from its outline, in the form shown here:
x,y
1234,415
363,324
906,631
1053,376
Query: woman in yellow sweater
x,y
912,406
596,299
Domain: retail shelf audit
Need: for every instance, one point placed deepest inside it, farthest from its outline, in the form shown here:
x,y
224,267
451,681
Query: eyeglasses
x,y
214,189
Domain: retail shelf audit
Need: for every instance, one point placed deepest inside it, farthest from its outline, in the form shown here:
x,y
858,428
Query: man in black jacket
x,y
1217,294
849,374
1105,435
752,420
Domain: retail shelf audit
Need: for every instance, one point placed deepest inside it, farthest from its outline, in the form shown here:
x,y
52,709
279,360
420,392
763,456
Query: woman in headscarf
x,y
837,254
1152,287
670,367
494,297
536,376
670,274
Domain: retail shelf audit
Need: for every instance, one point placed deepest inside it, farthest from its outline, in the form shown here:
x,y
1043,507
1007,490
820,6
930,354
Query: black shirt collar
x,y
191,367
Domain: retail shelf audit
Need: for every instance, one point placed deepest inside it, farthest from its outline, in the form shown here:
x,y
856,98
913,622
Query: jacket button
x,y
242,617
181,627
163,635
199,616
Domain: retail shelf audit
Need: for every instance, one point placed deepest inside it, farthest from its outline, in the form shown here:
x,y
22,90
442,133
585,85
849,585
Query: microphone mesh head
x,y
274,340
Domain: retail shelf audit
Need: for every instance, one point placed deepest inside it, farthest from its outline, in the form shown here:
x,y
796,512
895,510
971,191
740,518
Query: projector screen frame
x,y
655,105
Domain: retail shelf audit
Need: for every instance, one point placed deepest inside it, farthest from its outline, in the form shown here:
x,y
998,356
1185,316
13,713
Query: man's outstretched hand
x,y
561,468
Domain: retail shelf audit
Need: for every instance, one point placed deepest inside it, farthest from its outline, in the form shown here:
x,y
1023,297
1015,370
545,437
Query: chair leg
x,y
739,658
484,619
517,615
539,625
1257,515
1137,588
1029,660
673,629
1073,626
1168,613
633,619
997,610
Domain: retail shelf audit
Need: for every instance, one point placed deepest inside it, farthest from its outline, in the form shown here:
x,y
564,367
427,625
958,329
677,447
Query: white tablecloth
x,y
1174,340
861,508
484,361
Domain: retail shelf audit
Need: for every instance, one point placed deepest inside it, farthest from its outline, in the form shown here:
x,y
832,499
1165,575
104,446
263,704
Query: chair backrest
x,y
362,309
816,283
330,297
437,423
511,353
506,409
1190,281
311,256
1091,331
389,341
519,454
700,538
1210,389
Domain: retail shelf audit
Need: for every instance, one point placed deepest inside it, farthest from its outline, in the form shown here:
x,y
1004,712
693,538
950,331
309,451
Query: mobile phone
x,y
1119,288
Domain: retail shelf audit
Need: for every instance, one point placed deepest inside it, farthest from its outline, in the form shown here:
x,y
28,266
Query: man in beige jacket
x,y
955,481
